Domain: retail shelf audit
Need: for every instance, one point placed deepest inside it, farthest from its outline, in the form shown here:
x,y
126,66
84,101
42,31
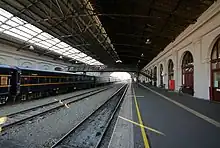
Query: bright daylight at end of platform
x,y
121,75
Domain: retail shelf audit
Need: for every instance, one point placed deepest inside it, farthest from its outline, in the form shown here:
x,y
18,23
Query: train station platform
x,y
152,117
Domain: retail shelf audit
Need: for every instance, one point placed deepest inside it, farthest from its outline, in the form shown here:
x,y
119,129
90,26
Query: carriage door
x,y
188,73
15,82
215,71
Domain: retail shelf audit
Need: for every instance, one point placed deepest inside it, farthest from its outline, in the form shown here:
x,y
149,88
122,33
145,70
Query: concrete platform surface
x,y
170,125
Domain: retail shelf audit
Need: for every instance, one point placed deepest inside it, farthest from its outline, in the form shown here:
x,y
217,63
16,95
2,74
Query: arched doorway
x,y
155,76
188,73
170,72
215,72
161,75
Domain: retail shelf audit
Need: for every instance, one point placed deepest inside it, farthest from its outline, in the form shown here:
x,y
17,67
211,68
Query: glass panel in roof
x,y
46,43
2,18
48,36
66,53
74,50
41,37
62,45
81,55
33,28
24,29
11,23
41,45
18,20
5,13
88,58
15,35
57,51
54,48
62,50
5,26
53,41
15,30
35,39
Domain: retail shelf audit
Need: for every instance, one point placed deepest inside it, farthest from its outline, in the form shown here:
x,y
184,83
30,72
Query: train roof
x,y
8,67
52,71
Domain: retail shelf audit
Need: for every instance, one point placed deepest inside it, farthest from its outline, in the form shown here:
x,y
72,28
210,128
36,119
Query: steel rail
x,y
50,103
4,127
111,118
87,117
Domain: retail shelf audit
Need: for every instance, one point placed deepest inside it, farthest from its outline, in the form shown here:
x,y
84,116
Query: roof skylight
x,y
23,30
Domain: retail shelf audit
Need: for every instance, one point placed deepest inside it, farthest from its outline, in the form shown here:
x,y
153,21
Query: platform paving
x,y
180,127
206,107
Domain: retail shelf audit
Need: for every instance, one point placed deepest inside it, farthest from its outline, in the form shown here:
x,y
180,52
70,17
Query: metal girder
x,y
89,68
62,20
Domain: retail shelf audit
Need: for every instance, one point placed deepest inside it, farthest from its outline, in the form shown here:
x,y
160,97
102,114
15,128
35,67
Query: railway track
x,y
28,114
91,130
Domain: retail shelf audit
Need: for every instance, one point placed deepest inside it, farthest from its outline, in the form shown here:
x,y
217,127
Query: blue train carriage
x,y
43,83
9,83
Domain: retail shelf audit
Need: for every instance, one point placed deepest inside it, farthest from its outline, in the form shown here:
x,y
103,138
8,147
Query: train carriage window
x,y
4,80
54,80
24,80
42,80
34,80
62,79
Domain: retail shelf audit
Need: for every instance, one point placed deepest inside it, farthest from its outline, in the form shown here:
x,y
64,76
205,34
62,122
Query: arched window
x,y
188,73
170,70
215,71
161,74
187,60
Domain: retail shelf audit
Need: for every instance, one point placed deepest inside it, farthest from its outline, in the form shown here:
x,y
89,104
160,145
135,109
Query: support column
x,y
158,75
165,70
201,76
177,70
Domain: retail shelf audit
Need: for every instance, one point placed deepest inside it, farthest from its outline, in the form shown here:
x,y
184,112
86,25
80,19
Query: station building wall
x,y
198,39
9,56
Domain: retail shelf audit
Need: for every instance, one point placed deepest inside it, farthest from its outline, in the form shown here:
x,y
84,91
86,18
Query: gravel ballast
x,y
44,131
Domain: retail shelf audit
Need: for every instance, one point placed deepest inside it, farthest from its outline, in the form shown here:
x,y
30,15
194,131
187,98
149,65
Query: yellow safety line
x,y
146,143
148,128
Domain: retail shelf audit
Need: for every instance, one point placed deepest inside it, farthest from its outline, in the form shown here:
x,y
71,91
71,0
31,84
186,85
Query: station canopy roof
x,y
98,32
16,27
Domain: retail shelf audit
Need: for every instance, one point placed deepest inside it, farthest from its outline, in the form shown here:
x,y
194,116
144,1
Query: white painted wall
x,y
199,39
9,56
